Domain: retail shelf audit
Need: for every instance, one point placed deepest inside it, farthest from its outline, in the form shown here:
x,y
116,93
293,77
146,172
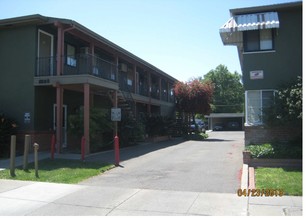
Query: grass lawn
x,y
287,179
58,171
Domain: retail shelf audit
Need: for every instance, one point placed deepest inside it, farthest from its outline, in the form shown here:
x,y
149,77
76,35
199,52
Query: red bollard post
x,y
52,146
116,150
82,148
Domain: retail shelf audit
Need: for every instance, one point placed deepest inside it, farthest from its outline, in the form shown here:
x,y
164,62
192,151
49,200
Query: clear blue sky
x,y
180,37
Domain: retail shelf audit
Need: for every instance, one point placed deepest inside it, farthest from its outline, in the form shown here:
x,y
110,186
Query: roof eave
x,y
29,19
265,8
40,19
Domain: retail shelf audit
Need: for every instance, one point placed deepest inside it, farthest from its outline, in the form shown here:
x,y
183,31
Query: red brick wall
x,y
262,135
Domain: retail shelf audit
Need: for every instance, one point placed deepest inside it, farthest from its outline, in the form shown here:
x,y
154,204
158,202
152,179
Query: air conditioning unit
x,y
84,50
123,67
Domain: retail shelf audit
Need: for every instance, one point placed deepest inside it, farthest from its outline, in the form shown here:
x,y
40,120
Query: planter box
x,y
270,162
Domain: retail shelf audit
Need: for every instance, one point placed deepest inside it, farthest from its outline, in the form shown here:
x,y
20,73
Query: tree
x,y
228,95
193,97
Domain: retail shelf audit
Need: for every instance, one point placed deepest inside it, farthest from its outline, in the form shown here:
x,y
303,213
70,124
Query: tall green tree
x,y
228,95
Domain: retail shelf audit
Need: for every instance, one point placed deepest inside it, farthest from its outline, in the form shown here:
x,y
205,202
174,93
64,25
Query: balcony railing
x,y
46,66
92,65
77,65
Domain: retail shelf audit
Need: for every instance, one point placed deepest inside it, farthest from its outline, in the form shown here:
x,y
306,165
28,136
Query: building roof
x,y
265,8
252,18
38,19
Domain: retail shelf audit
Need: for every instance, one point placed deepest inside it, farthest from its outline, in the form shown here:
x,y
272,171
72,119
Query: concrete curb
x,y
251,178
248,177
244,177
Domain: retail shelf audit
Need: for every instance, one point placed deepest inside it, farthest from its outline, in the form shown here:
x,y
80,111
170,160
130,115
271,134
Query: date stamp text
x,y
260,192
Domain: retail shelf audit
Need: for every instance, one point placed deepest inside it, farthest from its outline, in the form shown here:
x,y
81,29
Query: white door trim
x,y
51,49
64,120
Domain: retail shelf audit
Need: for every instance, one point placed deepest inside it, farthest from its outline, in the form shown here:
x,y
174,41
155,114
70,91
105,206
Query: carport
x,y
225,118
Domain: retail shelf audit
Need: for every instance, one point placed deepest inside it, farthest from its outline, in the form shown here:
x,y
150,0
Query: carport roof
x,y
225,115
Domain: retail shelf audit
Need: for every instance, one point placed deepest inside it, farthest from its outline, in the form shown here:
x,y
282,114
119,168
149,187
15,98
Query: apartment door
x,y
45,54
64,135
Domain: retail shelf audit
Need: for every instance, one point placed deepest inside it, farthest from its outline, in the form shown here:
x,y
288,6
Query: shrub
x,y
196,136
131,131
7,128
287,108
159,125
291,150
101,127
261,151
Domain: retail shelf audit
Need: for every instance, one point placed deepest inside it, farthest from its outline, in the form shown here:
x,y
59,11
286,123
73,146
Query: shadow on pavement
x,y
216,140
134,151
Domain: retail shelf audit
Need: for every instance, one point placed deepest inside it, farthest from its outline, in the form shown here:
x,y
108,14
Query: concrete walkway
x,y
136,188
38,198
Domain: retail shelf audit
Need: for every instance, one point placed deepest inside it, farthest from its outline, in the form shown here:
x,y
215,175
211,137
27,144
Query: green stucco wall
x,y
285,63
17,68
45,98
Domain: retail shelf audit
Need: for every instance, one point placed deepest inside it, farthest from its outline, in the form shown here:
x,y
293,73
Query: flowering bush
x,y
193,97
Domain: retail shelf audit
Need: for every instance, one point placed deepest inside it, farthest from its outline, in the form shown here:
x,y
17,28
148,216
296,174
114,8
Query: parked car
x,y
233,126
199,125
218,127
192,127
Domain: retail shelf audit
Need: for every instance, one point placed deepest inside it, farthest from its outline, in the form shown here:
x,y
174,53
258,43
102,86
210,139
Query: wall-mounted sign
x,y
116,114
256,74
27,118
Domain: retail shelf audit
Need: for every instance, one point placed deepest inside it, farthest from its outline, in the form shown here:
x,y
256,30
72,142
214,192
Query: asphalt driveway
x,y
213,165
168,178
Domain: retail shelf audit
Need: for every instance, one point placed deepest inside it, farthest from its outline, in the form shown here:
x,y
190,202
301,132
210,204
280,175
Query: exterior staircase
x,y
126,103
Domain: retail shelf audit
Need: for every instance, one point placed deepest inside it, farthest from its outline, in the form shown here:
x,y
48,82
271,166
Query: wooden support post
x,y
26,152
13,155
36,147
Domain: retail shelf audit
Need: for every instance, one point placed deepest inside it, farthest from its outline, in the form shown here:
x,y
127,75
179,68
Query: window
x,y
256,101
266,39
71,56
258,40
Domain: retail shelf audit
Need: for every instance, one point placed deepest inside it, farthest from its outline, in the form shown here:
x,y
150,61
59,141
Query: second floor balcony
x,y
80,64
87,64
